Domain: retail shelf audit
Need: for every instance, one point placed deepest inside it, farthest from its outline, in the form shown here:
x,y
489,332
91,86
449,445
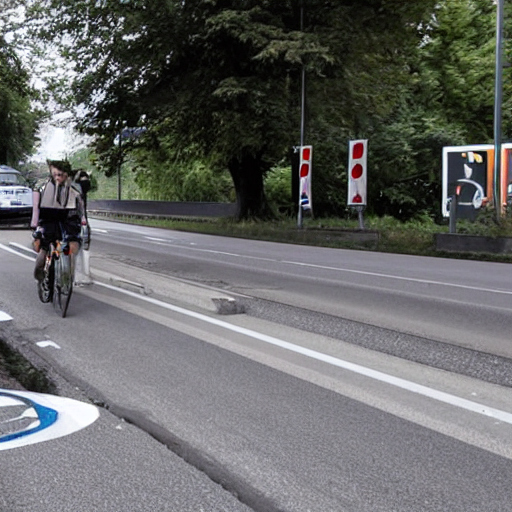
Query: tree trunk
x,y
247,174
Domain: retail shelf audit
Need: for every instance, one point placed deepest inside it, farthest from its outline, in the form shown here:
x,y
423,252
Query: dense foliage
x,y
215,85
18,118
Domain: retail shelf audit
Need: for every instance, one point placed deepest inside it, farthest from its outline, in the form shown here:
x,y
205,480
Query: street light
x,y
302,108
498,92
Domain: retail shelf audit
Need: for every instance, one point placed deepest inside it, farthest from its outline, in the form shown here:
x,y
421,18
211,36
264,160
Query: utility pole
x,y
498,92
120,164
302,108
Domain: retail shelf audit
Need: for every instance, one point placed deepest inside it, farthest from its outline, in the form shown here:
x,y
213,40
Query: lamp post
x,y
302,108
498,92
119,165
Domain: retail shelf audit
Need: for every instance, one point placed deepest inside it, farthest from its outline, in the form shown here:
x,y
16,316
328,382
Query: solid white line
x,y
440,396
395,381
8,249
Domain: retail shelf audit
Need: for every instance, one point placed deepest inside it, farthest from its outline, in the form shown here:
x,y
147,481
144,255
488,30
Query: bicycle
x,y
59,274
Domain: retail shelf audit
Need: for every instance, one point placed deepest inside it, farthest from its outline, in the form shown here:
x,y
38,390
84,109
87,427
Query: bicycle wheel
x,y
63,284
45,287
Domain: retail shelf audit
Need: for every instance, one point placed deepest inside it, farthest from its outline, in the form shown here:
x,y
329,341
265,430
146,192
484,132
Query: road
x,y
413,307
285,405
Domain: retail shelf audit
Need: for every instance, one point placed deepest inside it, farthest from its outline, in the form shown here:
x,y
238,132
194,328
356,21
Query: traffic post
x,y
357,176
305,168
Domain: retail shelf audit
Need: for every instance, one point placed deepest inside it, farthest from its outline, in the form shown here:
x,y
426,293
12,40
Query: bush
x,y
278,189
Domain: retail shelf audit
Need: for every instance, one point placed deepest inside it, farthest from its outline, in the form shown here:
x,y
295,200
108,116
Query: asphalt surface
x,y
107,466
265,433
449,314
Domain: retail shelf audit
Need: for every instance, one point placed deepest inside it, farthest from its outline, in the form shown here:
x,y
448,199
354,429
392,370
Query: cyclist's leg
x,y
71,234
47,231
39,266
46,284
74,247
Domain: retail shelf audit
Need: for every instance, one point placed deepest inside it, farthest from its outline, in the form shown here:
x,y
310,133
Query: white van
x,y
15,197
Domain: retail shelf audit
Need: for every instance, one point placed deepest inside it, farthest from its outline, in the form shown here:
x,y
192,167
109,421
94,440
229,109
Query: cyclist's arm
x,y
36,196
80,203
81,210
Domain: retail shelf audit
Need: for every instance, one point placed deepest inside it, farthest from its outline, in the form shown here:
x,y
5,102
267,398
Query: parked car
x,y
15,197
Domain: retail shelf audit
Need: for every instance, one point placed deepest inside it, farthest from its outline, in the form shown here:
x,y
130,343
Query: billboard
x,y
469,171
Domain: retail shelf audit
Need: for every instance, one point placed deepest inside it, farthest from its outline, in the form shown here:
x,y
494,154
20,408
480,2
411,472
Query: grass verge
x,y
18,368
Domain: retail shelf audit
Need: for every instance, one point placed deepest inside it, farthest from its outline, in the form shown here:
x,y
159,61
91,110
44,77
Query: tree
x,y
458,66
18,118
368,93
222,76
449,101
443,95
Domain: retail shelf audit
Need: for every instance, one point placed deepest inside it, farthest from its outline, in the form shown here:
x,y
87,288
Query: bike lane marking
x,y
27,417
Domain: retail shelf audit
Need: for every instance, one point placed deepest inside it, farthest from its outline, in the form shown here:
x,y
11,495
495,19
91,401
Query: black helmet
x,y
62,165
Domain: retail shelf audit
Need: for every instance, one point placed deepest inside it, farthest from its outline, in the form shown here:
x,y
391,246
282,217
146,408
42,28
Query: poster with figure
x,y
469,170
467,176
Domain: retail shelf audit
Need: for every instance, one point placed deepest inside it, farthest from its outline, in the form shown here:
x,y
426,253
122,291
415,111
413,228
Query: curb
x,y
148,283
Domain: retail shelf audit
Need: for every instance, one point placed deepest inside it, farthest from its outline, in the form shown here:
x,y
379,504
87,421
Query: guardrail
x,y
160,209
453,242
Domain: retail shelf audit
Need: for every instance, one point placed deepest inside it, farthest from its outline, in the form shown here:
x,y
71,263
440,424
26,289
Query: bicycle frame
x,y
57,285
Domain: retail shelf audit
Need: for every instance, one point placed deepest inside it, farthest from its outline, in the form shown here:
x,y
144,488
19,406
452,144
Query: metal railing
x,y
160,209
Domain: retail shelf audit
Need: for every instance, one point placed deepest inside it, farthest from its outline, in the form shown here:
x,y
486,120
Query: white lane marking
x,y
360,272
45,344
413,387
21,247
98,230
8,249
338,269
158,240
4,317
400,278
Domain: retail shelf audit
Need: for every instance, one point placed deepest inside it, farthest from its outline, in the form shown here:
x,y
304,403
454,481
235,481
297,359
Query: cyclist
x,y
58,213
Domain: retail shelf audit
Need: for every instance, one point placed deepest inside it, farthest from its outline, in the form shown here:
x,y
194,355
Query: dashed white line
x,y
400,278
153,239
4,317
47,343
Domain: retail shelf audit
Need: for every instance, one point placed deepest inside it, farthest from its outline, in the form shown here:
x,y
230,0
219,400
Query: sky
x,y
57,142
58,139
53,144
